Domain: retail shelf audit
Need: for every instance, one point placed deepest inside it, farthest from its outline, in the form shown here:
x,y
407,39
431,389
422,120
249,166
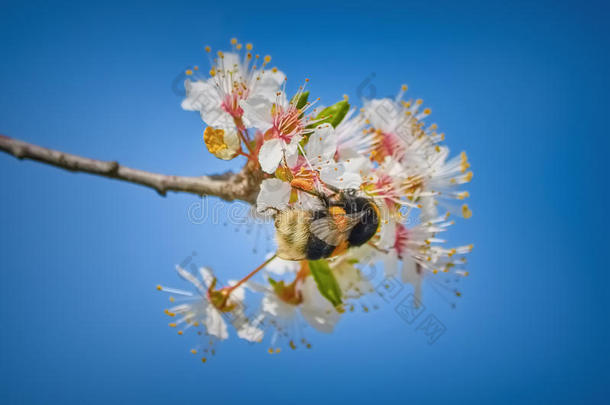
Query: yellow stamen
x,y
466,213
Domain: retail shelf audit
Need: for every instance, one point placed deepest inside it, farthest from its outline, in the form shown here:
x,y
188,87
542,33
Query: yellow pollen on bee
x,y
208,49
189,72
249,46
233,41
466,213
404,87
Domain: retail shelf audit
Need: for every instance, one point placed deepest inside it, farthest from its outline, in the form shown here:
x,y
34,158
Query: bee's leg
x,y
378,248
332,188
323,197
266,210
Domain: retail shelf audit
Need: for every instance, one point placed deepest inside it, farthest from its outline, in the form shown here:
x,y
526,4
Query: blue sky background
x,y
523,88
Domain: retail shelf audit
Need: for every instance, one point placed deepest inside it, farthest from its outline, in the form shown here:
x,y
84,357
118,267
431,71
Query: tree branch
x,y
229,186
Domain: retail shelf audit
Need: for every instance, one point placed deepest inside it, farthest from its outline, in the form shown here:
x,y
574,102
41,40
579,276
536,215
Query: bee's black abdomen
x,y
318,249
368,224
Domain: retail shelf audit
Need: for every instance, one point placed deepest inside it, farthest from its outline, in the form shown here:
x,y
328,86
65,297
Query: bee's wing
x,y
334,229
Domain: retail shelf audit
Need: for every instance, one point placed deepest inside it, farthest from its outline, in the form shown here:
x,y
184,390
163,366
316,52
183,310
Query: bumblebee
x,y
345,220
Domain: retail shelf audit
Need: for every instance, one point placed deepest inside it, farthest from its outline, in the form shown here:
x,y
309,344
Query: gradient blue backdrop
x,y
522,87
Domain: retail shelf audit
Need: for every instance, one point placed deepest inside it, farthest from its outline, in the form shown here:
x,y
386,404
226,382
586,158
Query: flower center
x,y
402,237
231,102
286,122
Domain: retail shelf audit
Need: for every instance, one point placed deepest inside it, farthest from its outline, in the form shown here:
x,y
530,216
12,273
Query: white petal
x,y
207,276
383,114
257,111
292,151
280,266
387,232
337,175
268,84
271,154
316,309
274,193
185,274
322,145
390,263
428,208
214,323
249,332
203,97
411,276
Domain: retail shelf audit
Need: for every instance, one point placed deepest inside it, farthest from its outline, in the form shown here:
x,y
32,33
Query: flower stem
x,y
252,273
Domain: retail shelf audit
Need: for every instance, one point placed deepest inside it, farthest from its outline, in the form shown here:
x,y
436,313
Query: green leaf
x,y
300,103
326,282
334,114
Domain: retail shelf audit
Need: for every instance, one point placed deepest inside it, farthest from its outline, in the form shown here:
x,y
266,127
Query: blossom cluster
x,y
385,151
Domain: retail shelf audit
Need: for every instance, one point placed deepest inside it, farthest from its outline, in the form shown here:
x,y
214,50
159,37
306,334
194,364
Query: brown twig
x,y
229,186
